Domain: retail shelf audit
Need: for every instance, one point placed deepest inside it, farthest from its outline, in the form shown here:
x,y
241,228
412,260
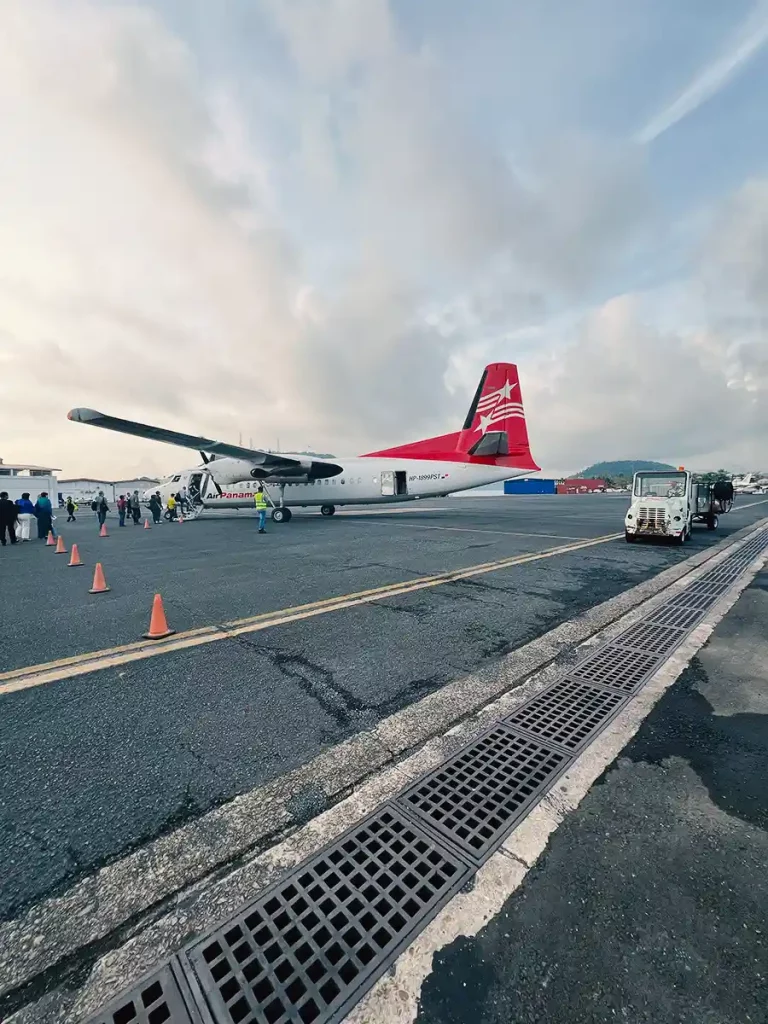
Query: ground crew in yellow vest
x,y
261,508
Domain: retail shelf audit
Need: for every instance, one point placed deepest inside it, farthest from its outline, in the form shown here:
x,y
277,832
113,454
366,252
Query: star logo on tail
x,y
496,406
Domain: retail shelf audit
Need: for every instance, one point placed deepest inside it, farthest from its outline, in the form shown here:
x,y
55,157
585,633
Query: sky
x,y
311,223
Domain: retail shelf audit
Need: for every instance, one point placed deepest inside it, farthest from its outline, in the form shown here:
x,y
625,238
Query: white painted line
x,y
391,511
466,529
738,506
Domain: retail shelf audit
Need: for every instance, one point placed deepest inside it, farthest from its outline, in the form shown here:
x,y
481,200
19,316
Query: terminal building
x,y
18,480
83,490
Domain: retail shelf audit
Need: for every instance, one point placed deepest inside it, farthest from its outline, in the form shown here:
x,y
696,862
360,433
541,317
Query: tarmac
x,y
651,901
99,764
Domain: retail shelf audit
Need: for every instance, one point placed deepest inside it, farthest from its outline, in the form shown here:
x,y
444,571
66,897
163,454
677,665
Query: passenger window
x,y
342,479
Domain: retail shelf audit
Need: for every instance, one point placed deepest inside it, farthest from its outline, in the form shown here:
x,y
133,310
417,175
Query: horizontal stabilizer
x,y
493,432
493,443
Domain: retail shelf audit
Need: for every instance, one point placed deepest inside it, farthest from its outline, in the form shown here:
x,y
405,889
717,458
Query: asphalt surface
x,y
99,764
650,903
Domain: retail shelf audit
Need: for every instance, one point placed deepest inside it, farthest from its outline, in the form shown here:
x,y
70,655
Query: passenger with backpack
x,y
102,509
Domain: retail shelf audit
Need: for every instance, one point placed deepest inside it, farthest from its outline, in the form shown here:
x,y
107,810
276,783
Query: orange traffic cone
x,y
99,583
103,530
60,549
50,542
158,624
146,525
74,558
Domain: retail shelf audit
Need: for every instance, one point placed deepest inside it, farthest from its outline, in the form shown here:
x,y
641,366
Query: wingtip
x,y
82,415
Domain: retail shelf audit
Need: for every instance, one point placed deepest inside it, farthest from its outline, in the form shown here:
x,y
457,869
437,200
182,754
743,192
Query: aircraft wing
x,y
270,462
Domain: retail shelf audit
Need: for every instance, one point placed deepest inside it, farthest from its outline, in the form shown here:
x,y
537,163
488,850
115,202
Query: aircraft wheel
x,y
281,515
327,510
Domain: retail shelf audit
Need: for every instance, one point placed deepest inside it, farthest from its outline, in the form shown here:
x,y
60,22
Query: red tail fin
x,y
494,430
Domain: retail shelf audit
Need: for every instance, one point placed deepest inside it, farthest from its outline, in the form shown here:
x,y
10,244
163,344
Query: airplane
x,y
492,445
749,484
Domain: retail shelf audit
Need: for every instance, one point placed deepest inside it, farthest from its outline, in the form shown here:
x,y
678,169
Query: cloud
x,y
626,389
327,251
165,260
747,41
697,392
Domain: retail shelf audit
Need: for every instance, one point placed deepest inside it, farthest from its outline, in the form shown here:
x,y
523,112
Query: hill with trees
x,y
622,469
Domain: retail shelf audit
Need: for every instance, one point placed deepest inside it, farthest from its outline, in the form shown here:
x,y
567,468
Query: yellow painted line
x,y
111,657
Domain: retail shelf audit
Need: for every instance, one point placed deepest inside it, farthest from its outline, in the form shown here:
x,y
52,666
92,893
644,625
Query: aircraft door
x,y
401,482
388,483
195,487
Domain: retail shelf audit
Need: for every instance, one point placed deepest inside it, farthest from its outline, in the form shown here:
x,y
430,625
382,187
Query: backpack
x,y
95,505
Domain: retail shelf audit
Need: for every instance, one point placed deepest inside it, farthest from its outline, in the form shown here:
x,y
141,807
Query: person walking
x,y
261,507
44,513
171,507
25,516
103,508
136,508
121,507
156,508
9,513
71,509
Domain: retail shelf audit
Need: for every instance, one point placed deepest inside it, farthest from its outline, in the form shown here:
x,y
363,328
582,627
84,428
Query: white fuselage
x,y
363,481
749,484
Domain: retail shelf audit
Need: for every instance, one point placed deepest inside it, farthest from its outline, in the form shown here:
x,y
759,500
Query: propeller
x,y
214,481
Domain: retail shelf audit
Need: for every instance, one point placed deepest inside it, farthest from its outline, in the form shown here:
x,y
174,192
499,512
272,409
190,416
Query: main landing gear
x,y
281,513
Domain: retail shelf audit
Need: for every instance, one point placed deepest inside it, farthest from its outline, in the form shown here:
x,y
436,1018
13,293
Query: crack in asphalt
x,y
315,680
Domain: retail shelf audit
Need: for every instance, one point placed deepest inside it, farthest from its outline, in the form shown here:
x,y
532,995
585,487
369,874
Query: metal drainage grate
x,y
650,638
680,618
699,601
567,713
475,798
302,951
722,574
706,588
616,667
155,1000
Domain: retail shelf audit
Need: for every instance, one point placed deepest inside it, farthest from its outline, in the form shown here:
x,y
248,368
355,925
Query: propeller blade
x,y
214,481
